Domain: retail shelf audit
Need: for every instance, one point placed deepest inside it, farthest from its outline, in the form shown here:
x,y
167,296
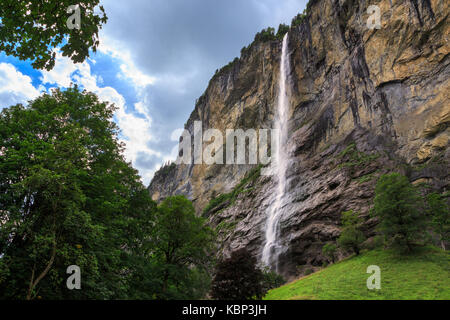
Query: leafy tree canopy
x,y
329,251
238,278
33,29
400,209
439,211
183,247
68,197
351,236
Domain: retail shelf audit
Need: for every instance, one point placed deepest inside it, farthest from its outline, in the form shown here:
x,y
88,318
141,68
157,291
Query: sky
x,y
155,59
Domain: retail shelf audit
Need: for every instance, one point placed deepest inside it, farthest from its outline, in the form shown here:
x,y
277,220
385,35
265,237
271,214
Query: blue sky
x,y
155,59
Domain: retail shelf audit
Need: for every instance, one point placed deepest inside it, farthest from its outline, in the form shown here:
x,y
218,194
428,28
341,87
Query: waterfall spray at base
x,y
272,246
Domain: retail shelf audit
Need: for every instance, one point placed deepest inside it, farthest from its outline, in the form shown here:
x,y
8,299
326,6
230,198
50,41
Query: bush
x,y
226,199
305,269
238,278
272,280
329,251
351,237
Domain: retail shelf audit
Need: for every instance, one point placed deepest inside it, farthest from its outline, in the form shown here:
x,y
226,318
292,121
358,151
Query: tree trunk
x,y
165,281
34,283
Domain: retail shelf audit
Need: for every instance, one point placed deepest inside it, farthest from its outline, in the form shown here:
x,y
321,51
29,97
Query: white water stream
x,y
272,247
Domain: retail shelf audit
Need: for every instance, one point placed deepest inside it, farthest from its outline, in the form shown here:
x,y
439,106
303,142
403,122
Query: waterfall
x,y
272,246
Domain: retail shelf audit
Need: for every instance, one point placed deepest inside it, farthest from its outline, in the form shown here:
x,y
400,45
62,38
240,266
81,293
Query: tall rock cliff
x,y
363,102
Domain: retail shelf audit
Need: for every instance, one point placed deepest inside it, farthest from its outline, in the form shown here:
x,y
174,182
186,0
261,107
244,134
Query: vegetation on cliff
x,y
227,199
265,35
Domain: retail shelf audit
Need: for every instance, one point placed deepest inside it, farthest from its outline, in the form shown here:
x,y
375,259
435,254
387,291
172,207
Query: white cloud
x,y
128,68
135,127
61,73
15,87
139,79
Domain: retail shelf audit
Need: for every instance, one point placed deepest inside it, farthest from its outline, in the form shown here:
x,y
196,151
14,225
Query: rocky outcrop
x,y
363,102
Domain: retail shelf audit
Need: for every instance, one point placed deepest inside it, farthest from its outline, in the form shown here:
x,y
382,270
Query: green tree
x,y
329,251
67,197
282,30
440,217
182,245
351,236
271,280
299,18
33,29
265,35
238,278
399,208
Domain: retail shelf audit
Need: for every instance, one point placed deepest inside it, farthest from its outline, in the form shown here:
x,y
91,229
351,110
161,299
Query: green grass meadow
x,y
422,275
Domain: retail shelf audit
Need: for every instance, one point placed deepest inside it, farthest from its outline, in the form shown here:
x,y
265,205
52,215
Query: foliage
x,y
368,177
375,242
399,208
351,237
438,209
282,30
419,276
182,245
244,50
33,29
265,35
165,170
272,280
67,197
226,68
228,199
356,158
298,19
238,278
329,251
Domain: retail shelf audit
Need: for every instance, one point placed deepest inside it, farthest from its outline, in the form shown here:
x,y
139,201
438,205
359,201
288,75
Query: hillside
x,y
425,275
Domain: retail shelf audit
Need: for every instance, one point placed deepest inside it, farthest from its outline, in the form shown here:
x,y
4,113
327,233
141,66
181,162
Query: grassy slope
x,y
424,275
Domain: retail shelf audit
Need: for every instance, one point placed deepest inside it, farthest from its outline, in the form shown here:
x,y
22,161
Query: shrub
x,y
351,237
329,251
228,199
272,280
238,278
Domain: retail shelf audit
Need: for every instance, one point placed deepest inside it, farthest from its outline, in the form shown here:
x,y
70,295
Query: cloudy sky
x,y
156,57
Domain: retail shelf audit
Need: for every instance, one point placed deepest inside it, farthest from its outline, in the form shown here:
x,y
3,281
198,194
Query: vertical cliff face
x,y
363,102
